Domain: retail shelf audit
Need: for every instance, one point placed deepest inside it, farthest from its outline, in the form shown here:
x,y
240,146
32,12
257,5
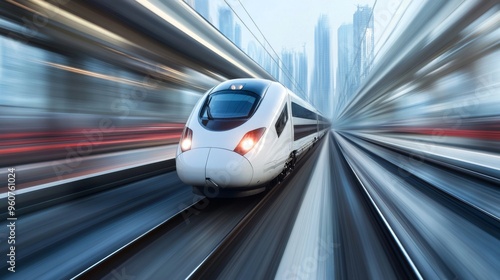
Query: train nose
x,y
228,169
223,167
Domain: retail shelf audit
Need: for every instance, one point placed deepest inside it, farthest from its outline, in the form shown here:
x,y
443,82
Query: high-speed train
x,y
244,133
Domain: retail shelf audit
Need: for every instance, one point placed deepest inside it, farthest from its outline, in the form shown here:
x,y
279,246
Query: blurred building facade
x,y
301,73
271,65
363,43
264,59
345,59
226,23
322,80
237,36
229,27
287,69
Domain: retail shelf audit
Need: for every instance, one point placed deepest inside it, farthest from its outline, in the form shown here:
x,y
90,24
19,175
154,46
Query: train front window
x,y
229,105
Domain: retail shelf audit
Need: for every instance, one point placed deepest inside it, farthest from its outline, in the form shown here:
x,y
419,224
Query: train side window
x,y
281,122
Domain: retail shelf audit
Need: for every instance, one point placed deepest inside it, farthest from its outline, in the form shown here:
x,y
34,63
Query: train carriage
x,y
244,133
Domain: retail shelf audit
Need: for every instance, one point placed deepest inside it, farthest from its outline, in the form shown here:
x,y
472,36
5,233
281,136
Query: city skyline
x,y
355,54
322,82
363,42
264,49
345,59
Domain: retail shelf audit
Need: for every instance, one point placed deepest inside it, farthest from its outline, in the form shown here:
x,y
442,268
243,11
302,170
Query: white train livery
x,y
244,133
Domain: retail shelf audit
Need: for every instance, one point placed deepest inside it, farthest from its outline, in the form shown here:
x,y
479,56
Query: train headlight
x,y
249,140
247,144
186,139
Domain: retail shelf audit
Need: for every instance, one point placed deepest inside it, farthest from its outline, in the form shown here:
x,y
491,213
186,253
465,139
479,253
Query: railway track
x,y
378,218
256,206
401,261
434,213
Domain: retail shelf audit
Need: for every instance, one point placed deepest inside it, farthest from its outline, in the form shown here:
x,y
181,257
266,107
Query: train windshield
x,y
229,105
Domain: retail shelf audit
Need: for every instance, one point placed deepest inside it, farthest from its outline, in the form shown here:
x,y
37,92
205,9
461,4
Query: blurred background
x,y
92,87
68,67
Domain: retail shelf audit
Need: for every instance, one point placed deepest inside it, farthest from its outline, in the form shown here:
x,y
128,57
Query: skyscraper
x,y
255,53
301,73
322,77
201,6
271,65
229,28
363,43
345,61
237,36
287,69
264,59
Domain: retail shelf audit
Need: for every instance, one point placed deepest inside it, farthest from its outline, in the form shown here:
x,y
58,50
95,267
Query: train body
x,y
242,134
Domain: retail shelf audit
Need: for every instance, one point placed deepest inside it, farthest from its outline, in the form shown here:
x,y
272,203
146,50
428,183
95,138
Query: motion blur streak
x,y
335,236
77,82
96,75
189,31
310,247
421,137
439,78
85,230
445,238
72,19
50,145
422,133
